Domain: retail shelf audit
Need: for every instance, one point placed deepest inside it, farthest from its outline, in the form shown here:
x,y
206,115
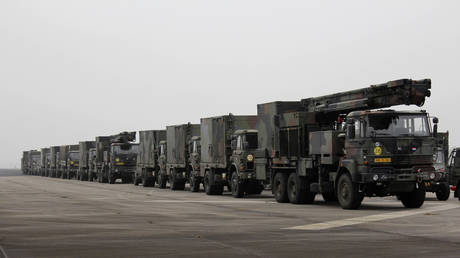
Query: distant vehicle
x,y
148,168
439,181
84,163
454,171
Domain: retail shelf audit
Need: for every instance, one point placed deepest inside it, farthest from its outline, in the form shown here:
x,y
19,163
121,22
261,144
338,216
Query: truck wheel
x,y
280,187
148,181
162,181
443,192
329,197
111,178
414,199
237,186
348,193
173,181
194,184
211,187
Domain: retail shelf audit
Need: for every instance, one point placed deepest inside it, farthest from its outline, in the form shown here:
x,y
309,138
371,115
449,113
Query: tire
x,y
330,197
296,189
162,181
194,184
148,181
443,192
236,186
280,187
212,188
348,193
172,180
111,179
414,199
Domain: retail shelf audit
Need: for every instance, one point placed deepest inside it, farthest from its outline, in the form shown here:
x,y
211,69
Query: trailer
x,y
147,168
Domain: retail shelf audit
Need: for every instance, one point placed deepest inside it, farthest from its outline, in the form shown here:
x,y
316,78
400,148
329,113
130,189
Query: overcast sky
x,y
71,70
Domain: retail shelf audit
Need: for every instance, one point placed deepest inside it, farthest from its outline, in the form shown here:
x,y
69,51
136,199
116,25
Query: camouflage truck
x,y
102,145
34,162
162,160
25,162
62,161
227,155
147,160
454,171
120,158
83,168
54,150
44,161
439,181
178,138
92,167
337,146
73,161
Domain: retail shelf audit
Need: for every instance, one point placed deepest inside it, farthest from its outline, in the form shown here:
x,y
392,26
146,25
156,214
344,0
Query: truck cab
x,y
163,176
122,161
243,173
389,152
454,171
73,162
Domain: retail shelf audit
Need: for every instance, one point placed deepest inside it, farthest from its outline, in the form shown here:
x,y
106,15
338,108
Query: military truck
x,y
62,161
162,160
119,158
54,150
454,171
228,144
44,161
84,164
102,145
147,168
34,162
25,162
178,138
439,181
92,165
337,146
73,161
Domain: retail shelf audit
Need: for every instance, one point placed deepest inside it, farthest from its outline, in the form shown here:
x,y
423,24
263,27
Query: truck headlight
x,y
250,157
375,177
117,159
432,175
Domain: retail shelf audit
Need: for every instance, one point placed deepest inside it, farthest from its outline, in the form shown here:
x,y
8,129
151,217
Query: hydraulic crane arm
x,y
392,93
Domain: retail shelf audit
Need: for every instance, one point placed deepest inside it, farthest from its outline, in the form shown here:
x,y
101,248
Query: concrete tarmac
x,y
49,217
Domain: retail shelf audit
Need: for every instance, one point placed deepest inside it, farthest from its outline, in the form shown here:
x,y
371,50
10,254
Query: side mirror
x,y
435,126
233,145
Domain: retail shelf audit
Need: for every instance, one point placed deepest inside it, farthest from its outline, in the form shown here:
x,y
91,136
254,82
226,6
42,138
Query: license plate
x,y
382,160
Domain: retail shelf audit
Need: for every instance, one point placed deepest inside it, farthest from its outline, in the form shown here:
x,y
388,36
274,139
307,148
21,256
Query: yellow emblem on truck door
x,y
378,151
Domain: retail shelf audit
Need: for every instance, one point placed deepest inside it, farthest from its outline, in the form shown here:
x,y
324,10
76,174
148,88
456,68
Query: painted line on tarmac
x,y
203,201
2,251
371,218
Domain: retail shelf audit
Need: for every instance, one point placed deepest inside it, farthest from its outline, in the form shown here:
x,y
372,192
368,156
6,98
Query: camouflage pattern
x,y
178,138
147,160
310,139
84,164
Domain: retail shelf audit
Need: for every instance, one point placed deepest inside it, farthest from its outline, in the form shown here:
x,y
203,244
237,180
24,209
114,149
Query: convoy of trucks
x,y
344,146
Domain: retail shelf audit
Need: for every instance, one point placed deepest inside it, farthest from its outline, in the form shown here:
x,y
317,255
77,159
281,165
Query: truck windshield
x,y
74,156
397,125
131,149
251,139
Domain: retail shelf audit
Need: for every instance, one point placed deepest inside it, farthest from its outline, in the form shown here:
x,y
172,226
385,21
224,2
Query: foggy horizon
x,y
73,71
